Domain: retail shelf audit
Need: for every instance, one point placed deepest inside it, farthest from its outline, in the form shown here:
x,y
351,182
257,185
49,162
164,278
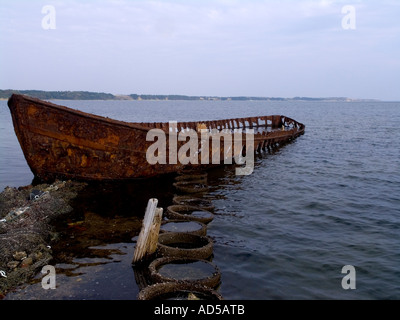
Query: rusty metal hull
x,y
59,142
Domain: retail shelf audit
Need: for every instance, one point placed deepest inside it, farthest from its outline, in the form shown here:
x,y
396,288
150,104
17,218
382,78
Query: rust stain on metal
x,y
59,142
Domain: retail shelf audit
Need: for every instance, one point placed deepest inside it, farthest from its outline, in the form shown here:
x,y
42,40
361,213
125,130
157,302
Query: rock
x,y
29,236
37,256
12,264
19,255
26,262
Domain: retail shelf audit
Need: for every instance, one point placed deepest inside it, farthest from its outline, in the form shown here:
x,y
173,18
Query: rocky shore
x,y
26,231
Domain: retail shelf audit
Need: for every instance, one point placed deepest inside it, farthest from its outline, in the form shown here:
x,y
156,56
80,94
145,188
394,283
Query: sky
x,y
307,48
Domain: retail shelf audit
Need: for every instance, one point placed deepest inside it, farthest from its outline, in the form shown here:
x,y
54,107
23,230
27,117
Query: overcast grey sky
x,y
206,47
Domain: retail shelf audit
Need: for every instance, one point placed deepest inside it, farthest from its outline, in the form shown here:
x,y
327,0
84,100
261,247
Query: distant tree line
x,y
183,97
86,95
59,95
163,97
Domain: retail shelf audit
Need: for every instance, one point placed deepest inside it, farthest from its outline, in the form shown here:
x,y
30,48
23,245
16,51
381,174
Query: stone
x,y
37,256
26,262
19,255
12,264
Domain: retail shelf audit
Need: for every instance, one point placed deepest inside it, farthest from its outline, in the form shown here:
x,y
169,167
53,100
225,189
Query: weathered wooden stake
x,y
148,236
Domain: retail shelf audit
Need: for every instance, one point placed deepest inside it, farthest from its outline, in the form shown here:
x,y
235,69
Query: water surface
x,y
329,199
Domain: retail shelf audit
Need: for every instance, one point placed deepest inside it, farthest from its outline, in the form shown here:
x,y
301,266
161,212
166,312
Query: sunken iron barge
x,y
63,143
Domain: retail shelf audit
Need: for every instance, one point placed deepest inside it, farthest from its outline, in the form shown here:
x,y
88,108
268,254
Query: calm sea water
x,y
329,199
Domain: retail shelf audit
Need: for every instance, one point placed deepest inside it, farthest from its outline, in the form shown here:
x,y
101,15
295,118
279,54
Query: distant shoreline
x,y
86,95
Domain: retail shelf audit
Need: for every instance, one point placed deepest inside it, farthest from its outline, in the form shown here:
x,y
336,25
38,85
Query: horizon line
x,y
204,96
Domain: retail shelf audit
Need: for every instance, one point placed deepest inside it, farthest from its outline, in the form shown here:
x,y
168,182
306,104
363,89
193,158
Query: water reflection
x,y
94,245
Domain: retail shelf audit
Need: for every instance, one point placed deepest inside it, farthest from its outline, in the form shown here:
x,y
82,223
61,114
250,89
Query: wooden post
x,y
154,231
148,237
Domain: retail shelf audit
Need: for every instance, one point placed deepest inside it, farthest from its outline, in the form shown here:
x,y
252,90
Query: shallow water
x,y
187,271
329,199
181,226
